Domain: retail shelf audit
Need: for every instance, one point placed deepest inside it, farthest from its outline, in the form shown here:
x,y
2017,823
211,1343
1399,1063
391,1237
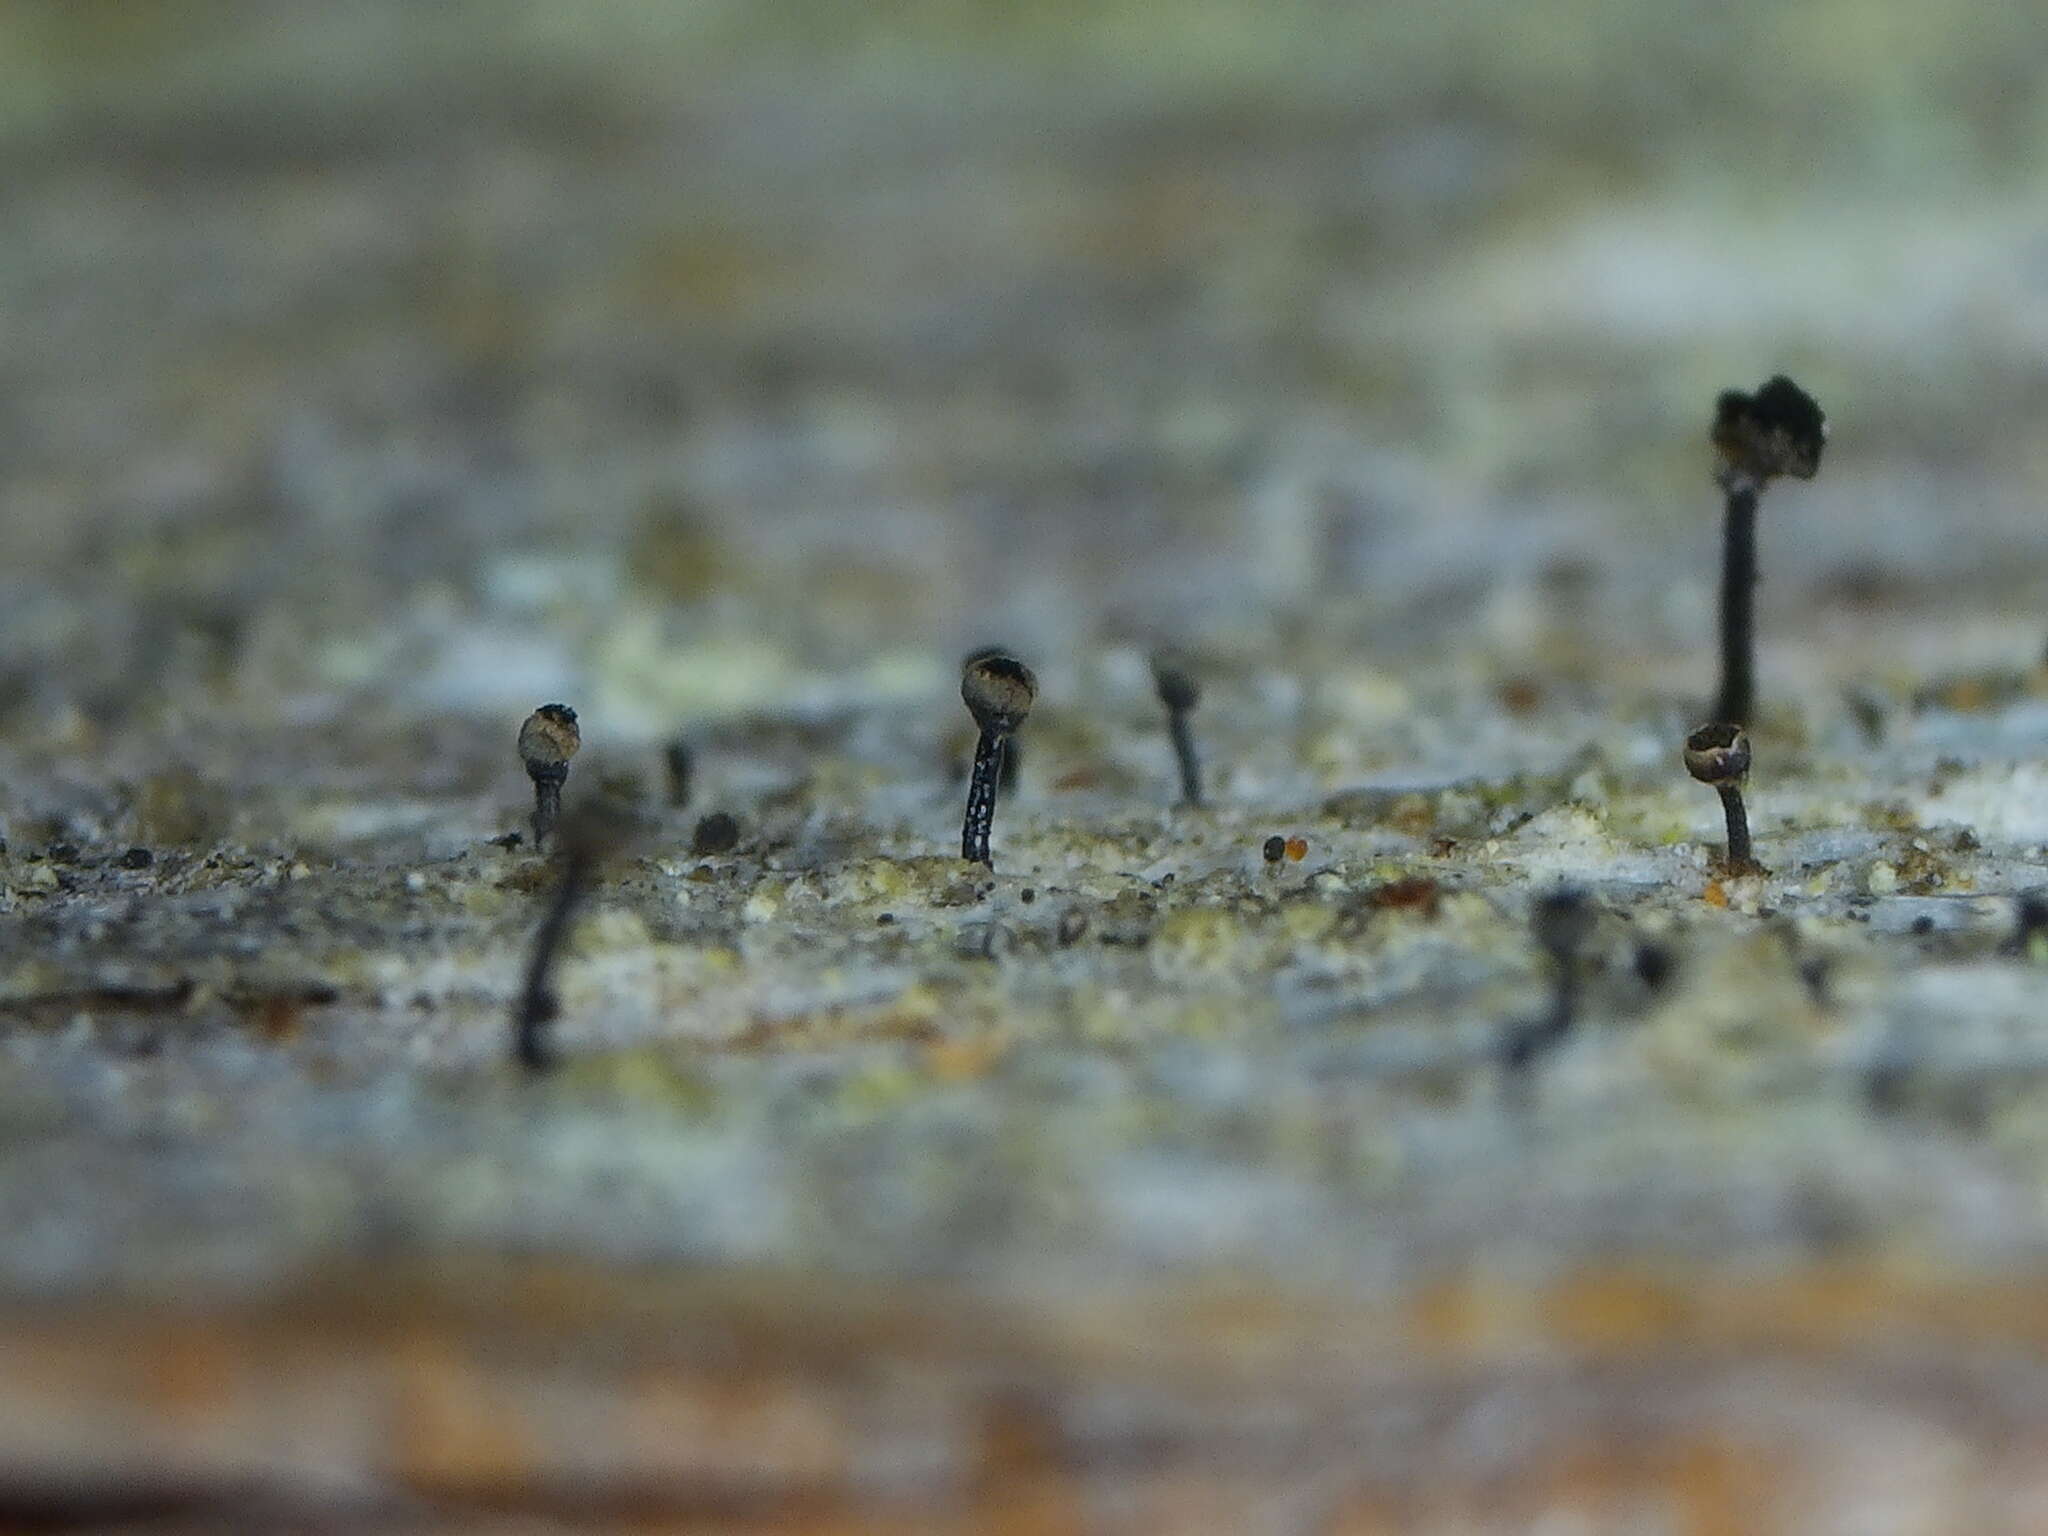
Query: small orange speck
x,y
1714,895
1297,848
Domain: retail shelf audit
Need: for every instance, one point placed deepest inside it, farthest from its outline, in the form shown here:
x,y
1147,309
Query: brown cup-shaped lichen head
x,y
998,691
1779,430
549,738
1175,681
1718,754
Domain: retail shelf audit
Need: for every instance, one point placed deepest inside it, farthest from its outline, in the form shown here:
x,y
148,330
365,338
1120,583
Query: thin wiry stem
x,y
981,797
547,801
1184,750
1738,827
1738,609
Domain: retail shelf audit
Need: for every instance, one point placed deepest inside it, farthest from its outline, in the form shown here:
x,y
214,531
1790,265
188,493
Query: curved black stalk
x,y
537,1005
1561,921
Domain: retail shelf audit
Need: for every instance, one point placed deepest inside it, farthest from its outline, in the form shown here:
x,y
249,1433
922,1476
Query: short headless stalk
x,y
1179,692
998,691
537,1005
1738,608
681,765
1777,431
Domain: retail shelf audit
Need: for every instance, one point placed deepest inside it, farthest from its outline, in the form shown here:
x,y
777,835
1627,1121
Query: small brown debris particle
x,y
278,1018
1275,849
1297,849
1714,895
1416,892
1520,696
1413,814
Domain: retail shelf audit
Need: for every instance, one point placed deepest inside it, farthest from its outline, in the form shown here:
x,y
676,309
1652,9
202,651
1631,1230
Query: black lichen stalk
x,y
680,762
1561,922
548,739
1757,438
1737,700
1718,756
1738,826
1184,754
998,691
547,801
1179,692
982,783
537,1005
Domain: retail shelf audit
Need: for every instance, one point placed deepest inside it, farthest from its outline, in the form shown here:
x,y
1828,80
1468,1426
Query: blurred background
x,y
372,370
688,357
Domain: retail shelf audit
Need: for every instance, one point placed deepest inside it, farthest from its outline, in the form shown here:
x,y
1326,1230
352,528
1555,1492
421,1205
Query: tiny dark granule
x,y
137,858
716,833
62,853
2033,913
1275,849
883,919
1654,965
1923,924
1028,894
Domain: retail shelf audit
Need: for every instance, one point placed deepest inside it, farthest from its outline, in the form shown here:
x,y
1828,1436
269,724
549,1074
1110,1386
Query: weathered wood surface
x,y
371,373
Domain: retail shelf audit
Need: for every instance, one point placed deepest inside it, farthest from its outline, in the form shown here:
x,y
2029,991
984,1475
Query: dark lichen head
x,y
550,737
1779,430
1175,680
1718,754
998,690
